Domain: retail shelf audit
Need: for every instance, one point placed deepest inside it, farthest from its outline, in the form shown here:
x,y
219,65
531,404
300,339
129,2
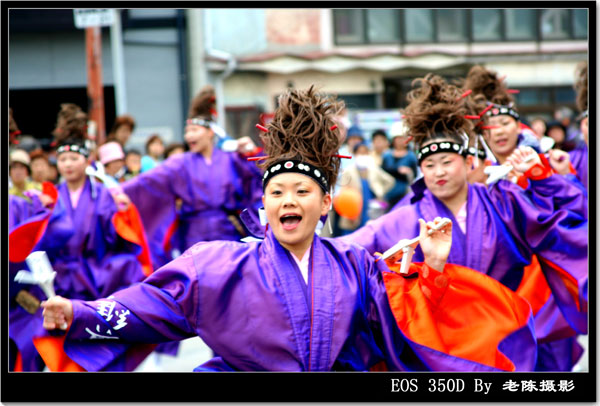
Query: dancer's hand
x,y
245,145
435,247
122,201
523,158
559,161
58,313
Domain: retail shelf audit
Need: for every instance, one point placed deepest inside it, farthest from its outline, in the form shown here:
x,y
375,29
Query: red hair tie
x,y
333,127
469,117
261,128
513,91
465,94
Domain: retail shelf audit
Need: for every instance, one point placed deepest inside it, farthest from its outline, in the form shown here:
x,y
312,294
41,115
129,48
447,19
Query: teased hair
x,y
203,105
581,85
301,130
435,108
71,123
124,119
483,81
12,124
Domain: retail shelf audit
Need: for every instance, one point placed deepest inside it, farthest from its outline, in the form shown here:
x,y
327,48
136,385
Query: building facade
x,y
368,57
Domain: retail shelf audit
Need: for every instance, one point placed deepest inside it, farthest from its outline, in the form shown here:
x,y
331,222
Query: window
x,y
554,24
418,25
521,24
451,25
383,26
349,26
580,25
487,25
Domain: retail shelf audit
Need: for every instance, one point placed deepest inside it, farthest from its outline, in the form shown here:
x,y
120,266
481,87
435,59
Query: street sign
x,y
98,17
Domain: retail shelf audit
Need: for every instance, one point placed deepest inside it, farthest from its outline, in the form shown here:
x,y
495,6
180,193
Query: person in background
x,y
558,132
113,159
122,129
381,144
370,180
400,162
133,163
40,166
155,148
174,149
565,116
53,175
19,172
538,125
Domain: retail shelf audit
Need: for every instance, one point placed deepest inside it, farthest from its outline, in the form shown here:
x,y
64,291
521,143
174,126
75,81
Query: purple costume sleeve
x,y
558,237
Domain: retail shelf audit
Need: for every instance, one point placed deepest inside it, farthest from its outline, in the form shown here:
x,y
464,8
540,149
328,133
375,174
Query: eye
x,y
276,192
302,191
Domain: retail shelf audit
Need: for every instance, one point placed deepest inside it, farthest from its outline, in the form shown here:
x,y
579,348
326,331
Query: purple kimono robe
x,y
91,260
249,302
579,160
210,193
506,225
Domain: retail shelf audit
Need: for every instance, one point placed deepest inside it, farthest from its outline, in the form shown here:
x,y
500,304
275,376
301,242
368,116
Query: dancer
x,y
214,187
290,302
94,248
498,229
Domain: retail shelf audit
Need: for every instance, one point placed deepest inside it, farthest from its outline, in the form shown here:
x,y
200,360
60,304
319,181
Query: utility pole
x,y
95,91
92,20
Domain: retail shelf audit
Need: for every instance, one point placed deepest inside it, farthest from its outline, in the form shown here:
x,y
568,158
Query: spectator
x,y
174,149
113,159
19,172
53,175
133,163
538,125
558,132
400,162
381,143
155,149
371,181
122,129
40,166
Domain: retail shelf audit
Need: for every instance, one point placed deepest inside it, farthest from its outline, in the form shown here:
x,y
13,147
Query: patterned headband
x,y
294,166
477,152
498,110
199,121
73,148
439,147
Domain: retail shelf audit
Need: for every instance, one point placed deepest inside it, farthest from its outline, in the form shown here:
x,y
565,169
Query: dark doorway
x,y
35,110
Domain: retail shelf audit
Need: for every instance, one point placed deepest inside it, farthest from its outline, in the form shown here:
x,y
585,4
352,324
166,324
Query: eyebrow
x,y
302,182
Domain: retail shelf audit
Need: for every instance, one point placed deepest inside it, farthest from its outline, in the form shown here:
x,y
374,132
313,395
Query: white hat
x,y
21,156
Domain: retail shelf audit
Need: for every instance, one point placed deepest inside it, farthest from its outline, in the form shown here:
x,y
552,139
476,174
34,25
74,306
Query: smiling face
x,y
294,204
503,139
445,175
198,138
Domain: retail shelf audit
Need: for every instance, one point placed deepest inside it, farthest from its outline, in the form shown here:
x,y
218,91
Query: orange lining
x,y
128,225
53,354
466,316
534,287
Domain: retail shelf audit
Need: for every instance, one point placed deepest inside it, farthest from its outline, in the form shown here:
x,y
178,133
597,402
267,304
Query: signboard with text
x,y
98,17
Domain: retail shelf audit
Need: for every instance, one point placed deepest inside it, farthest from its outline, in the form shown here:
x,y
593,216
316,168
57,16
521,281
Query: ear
x,y
263,200
470,160
326,204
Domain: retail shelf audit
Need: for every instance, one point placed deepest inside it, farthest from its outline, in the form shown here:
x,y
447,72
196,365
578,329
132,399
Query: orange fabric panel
x,y
19,363
51,351
129,226
460,312
23,239
169,234
534,287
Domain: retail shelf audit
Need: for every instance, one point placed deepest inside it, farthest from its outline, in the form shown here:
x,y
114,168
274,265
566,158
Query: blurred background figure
x,y
155,148
354,136
538,125
380,143
122,129
174,149
19,172
371,182
40,166
112,157
565,116
558,132
133,163
400,162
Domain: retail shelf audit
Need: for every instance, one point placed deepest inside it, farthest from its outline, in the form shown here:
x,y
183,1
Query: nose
x,y
289,200
439,170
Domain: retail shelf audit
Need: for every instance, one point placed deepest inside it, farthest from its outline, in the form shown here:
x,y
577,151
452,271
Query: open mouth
x,y
290,221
